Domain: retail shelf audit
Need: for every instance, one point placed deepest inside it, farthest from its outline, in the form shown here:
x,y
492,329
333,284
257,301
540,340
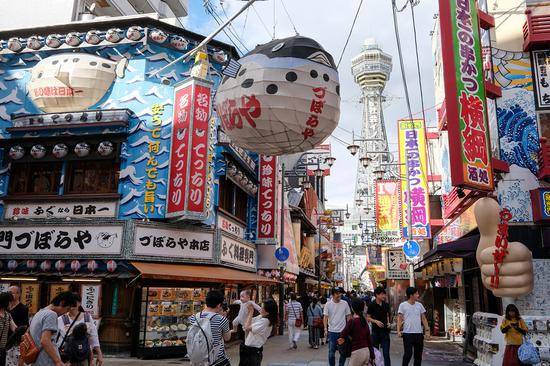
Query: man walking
x,y
18,311
293,312
336,313
378,314
412,316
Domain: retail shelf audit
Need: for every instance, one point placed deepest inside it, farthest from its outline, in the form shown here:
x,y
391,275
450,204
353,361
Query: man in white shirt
x,y
411,317
336,314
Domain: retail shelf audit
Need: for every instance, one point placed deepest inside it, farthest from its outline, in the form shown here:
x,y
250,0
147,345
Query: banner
x,y
266,198
469,149
387,208
90,299
414,168
189,150
30,296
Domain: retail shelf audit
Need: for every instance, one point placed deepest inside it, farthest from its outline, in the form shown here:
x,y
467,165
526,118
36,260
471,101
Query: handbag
x,y
345,348
27,349
62,354
528,353
298,321
317,322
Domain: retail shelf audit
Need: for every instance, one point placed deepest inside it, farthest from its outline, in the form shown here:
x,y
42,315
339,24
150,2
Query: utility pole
x,y
282,244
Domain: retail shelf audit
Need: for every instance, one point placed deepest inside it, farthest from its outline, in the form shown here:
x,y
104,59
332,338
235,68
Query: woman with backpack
x,y
357,328
68,322
257,330
6,324
514,328
315,322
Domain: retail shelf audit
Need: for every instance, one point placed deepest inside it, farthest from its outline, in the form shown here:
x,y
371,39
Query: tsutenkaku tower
x,y
371,70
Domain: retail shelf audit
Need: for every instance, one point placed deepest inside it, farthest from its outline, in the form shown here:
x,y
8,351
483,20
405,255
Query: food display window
x,y
164,316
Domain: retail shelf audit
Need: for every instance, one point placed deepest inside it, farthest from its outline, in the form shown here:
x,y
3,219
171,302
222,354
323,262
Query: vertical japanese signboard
x,y
387,208
413,166
90,299
266,198
154,150
30,296
469,144
189,151
541,71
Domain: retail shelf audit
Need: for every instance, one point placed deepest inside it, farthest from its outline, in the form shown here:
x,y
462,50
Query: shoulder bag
x,y
66,319
345,348
298,321
317,321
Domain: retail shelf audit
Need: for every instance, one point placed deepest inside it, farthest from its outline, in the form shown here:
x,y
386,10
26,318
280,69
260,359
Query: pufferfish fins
x,y
121,67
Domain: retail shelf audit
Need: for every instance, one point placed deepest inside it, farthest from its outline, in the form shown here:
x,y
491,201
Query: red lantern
x,y
46,266
31,264
12,265
92,265
75,266
60,265
111,266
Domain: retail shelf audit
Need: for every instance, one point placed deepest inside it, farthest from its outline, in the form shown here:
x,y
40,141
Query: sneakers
x,y
294,345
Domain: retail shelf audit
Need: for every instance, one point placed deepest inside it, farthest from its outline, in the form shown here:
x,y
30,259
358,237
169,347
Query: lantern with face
x,y
60,151
16,152
93,37
73,39
38,151
285,99
134,33
53,41
105,148
34,42
82,149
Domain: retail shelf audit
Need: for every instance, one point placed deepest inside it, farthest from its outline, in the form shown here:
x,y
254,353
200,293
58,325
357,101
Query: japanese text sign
x,y
189,165
541,71
154,150
90,299
230,226
469,143
237,252
266,198
58,288
457,228
60,210
173,243
540,200
396,265
30,296
387,208
413,167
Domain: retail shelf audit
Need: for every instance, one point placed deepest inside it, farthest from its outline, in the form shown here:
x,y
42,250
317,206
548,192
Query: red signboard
x,y
266,197
189,150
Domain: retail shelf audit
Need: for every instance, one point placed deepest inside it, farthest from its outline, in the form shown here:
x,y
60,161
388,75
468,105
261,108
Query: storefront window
x,y
35,178
233,200
98,176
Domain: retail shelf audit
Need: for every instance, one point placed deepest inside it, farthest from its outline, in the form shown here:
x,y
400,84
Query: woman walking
x,y
6,324
315,322
514,328
257,330
362,351
293,318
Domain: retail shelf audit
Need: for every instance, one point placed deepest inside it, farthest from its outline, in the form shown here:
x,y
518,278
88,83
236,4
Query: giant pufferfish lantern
x,y
285,98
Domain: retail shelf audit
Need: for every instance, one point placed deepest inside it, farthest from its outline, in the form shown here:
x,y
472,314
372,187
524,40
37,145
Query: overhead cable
x,y
350,32
261,20
289,17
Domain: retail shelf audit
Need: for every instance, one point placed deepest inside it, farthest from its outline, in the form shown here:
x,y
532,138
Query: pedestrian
x,y
323,335
214,316
67,323
12,347
305,301
293,318
19,312
257,330
378,313
411,317
336,314
243,302
6,324
362,350
315,322
514,328
43,329
77,348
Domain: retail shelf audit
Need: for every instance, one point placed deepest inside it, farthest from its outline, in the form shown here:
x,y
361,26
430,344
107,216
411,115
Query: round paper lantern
x,y
134,33
31,264
60,265
111,266
105,148
92,265
34,42
93,37
53,40
14,44
178,42
38,151
114,35
75,265
12,265
16,152
60,151
73,39
285,98
82,149
158,36
46,266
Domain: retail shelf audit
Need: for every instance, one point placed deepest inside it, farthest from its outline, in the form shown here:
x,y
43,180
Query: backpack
x,y
77,350
200,342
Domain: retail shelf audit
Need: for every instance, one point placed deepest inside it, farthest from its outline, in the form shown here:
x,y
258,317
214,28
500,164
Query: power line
x,y
289,17
261,20
245,21
207,6
350,32
230,27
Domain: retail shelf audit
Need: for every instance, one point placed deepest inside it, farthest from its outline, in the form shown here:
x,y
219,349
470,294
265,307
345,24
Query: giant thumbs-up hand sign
x,y
506,268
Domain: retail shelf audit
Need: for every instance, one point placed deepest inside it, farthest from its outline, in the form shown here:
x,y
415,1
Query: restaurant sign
x,y
540,199
173,243
388,221
237,252
457,228
39,240
90,299
53,210
396,265
541,69
266,198
466,105
230,226
73,119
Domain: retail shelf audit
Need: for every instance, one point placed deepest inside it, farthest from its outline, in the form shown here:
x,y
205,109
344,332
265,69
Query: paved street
x,y
437,352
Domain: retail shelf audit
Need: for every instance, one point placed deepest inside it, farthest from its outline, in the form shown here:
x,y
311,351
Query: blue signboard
x,y
411,249
282,254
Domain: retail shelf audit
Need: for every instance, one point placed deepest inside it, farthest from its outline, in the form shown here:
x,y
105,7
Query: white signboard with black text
x,y
55,210
541,69
90,299
236,252
61,240
230,226
396,265
174,243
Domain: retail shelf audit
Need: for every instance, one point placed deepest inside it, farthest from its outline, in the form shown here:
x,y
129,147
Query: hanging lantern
x,y
53,41
16,152
38,151
105,148
158,36
285,99
60,151
14,44
82,149
45,266
73,39
178,42
92,265
93,37
75,266
134,33
111,266
34,43
60,265
12,265
114,35
31,264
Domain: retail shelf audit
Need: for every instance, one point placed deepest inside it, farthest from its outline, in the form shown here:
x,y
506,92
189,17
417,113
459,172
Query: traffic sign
x,y
411,249
282,254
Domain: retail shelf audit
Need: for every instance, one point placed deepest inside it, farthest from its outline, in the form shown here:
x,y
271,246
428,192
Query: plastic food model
x,y
506,271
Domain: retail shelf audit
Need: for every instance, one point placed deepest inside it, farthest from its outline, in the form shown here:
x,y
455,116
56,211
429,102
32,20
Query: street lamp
x,y
379,173
348,215
353,148
358,201
365,161
330,161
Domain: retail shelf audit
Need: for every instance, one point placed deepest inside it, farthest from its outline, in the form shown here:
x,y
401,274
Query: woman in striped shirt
x,y
293,318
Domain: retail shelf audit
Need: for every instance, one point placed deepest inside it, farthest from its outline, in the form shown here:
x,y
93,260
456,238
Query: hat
x,y
336,290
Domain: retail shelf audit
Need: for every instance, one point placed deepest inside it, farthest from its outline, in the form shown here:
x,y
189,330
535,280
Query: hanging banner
x,y
90,299
266,198
189,150
396,265
469,149
541,69
30,296
413,166
387,208
57,288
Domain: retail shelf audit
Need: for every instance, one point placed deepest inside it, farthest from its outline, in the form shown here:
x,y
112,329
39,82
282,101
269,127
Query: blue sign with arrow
x,y
411,248
282,254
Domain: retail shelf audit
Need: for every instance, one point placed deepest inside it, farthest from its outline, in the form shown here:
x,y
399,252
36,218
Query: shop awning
x,y
461,248
187,272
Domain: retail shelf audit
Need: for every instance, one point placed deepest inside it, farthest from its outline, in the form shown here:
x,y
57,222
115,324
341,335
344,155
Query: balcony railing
x,y
536,31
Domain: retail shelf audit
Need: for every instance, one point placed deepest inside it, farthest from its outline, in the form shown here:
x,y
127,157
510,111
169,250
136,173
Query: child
x,y
77,347
243,311
12,347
